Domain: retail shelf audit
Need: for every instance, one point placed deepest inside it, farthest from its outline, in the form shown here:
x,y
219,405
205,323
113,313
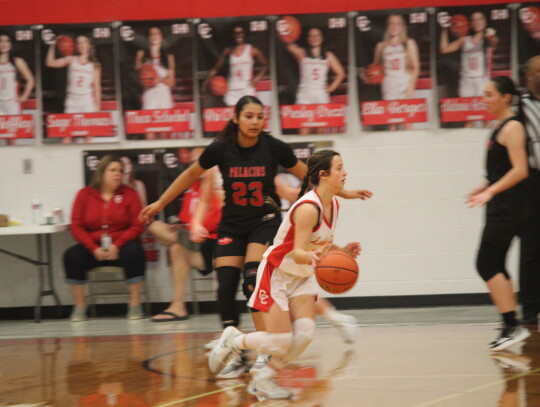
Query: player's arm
x,y
139,55
305,217
299,169
491,37
97,85
297,52
179,185
25,72
339,72
284,191
263,64
170,79
52,62
513,137
446,47
213,72
413,61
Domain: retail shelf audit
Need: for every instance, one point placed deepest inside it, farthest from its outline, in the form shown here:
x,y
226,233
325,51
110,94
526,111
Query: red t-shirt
x,y
189,203
91,212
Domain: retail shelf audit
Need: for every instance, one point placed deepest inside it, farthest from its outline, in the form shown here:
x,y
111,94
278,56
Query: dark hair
x,y
11,56
97,177
147,56
230,131
317,162
505,85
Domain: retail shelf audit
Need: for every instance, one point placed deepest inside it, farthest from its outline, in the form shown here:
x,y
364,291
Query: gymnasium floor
x,y
402,358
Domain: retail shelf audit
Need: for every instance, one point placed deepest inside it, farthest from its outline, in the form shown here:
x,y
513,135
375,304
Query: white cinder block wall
x,y
418,237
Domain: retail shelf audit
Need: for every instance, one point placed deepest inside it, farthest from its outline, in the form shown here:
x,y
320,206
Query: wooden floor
x,y
415,365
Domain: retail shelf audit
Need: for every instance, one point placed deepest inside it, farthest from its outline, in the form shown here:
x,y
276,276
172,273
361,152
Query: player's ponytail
x,y
506,86
317,162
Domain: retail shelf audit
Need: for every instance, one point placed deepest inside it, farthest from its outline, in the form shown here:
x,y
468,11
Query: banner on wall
x,y
156,65
528,34
78,83
18,104
140,171
473,45
394,70
233,61
312,55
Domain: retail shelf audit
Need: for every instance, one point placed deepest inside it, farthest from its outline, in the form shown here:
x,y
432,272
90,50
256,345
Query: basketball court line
x,y
198,396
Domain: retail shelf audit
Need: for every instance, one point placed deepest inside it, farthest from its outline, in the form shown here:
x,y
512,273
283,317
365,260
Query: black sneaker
x,y
183,238
509,336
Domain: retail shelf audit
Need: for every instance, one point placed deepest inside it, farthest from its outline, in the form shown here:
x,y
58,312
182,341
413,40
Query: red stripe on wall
x,y
79,11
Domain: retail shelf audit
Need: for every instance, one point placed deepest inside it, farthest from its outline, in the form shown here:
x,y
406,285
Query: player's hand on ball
x,y
353,248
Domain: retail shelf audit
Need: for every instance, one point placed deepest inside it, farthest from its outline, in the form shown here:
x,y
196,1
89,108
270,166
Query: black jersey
x,y
498,161
248,176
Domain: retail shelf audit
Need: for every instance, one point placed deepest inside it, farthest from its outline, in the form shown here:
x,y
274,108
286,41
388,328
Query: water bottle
x,y
37,212
106,240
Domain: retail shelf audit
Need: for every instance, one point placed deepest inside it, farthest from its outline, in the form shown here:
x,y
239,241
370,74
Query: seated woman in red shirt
x,y
104,222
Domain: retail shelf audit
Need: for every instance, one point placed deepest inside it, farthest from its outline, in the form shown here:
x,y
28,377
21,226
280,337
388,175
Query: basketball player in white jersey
x,y
476,54
286,290
241,58
399,55
158,96
83,89
315,63
10,66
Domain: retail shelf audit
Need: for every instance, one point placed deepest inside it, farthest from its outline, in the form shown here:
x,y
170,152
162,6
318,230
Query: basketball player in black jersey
x,y
248,159
503,192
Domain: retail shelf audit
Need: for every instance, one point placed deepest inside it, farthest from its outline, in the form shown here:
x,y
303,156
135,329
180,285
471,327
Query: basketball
x,y
530,18
65,45
148,75
459,25
218,85
337,272
374,74
289,29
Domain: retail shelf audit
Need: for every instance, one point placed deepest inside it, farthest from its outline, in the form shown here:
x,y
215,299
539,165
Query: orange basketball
x,y
337,272
148,75
289,29
459,25
65,45
218,85
374,74
530,18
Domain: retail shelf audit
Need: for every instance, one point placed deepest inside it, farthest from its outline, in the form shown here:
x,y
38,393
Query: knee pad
x,y
303,333
276,344
491,261
250,278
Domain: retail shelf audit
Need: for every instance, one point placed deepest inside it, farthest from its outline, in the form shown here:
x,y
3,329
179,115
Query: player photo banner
x,y
312,51
393,65
528,33
78,83
141,171
18,105
157,79
473,46
233,61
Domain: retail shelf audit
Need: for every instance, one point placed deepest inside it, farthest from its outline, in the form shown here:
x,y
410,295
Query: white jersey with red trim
x,y
313,73
473,58
80,79
395,61
8,81
279,254
240,69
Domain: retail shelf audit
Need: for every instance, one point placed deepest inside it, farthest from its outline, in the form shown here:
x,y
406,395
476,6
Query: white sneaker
x,y
224,350
509,336
236,367
260,363
78,314
512,362
345,324
267,389
210,345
